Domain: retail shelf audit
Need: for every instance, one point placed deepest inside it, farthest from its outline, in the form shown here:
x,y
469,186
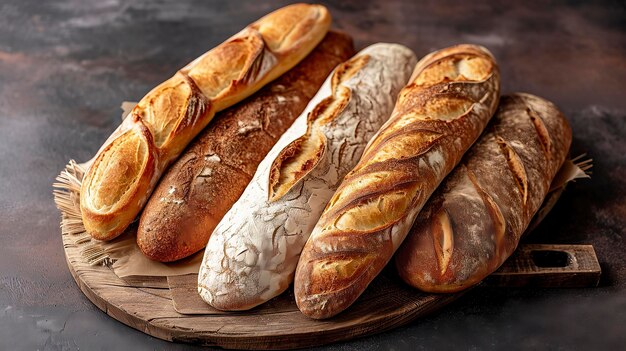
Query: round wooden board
x,y
278,324
386,304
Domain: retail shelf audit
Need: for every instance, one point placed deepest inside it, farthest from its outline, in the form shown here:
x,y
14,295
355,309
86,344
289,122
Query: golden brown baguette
x,y
474,221
128,166
452,95
199,188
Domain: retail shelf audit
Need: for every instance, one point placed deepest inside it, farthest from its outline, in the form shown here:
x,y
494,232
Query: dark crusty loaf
x,y
129,165
474,221
449,100
211,174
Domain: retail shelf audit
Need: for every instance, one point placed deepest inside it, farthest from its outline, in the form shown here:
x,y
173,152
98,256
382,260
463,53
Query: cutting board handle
x,y
549,266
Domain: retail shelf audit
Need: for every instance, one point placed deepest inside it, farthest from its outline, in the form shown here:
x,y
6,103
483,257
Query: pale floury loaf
x,y
252,254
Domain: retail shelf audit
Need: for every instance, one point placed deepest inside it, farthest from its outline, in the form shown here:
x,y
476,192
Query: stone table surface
x,y
66,65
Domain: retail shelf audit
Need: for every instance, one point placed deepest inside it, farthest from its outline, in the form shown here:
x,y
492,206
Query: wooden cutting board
x,y
171,309
147,303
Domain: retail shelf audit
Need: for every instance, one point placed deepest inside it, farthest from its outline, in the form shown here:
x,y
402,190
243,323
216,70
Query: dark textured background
x,y
65,66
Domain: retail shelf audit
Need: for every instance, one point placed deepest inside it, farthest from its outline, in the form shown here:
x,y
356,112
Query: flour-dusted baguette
x,y
199,188
253,252
451,96
474,221
130,163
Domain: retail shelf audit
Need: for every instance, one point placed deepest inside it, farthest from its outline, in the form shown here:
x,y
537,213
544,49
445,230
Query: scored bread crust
x,y
474,221
131,161
252,254
207,179
438,115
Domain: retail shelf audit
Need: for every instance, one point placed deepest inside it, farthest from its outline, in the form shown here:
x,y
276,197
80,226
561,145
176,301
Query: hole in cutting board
x,y
550,258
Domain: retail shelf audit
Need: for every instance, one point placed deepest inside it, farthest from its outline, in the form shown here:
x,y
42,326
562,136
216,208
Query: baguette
x,y
253,252
451,96
199,188
130,163
474,221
